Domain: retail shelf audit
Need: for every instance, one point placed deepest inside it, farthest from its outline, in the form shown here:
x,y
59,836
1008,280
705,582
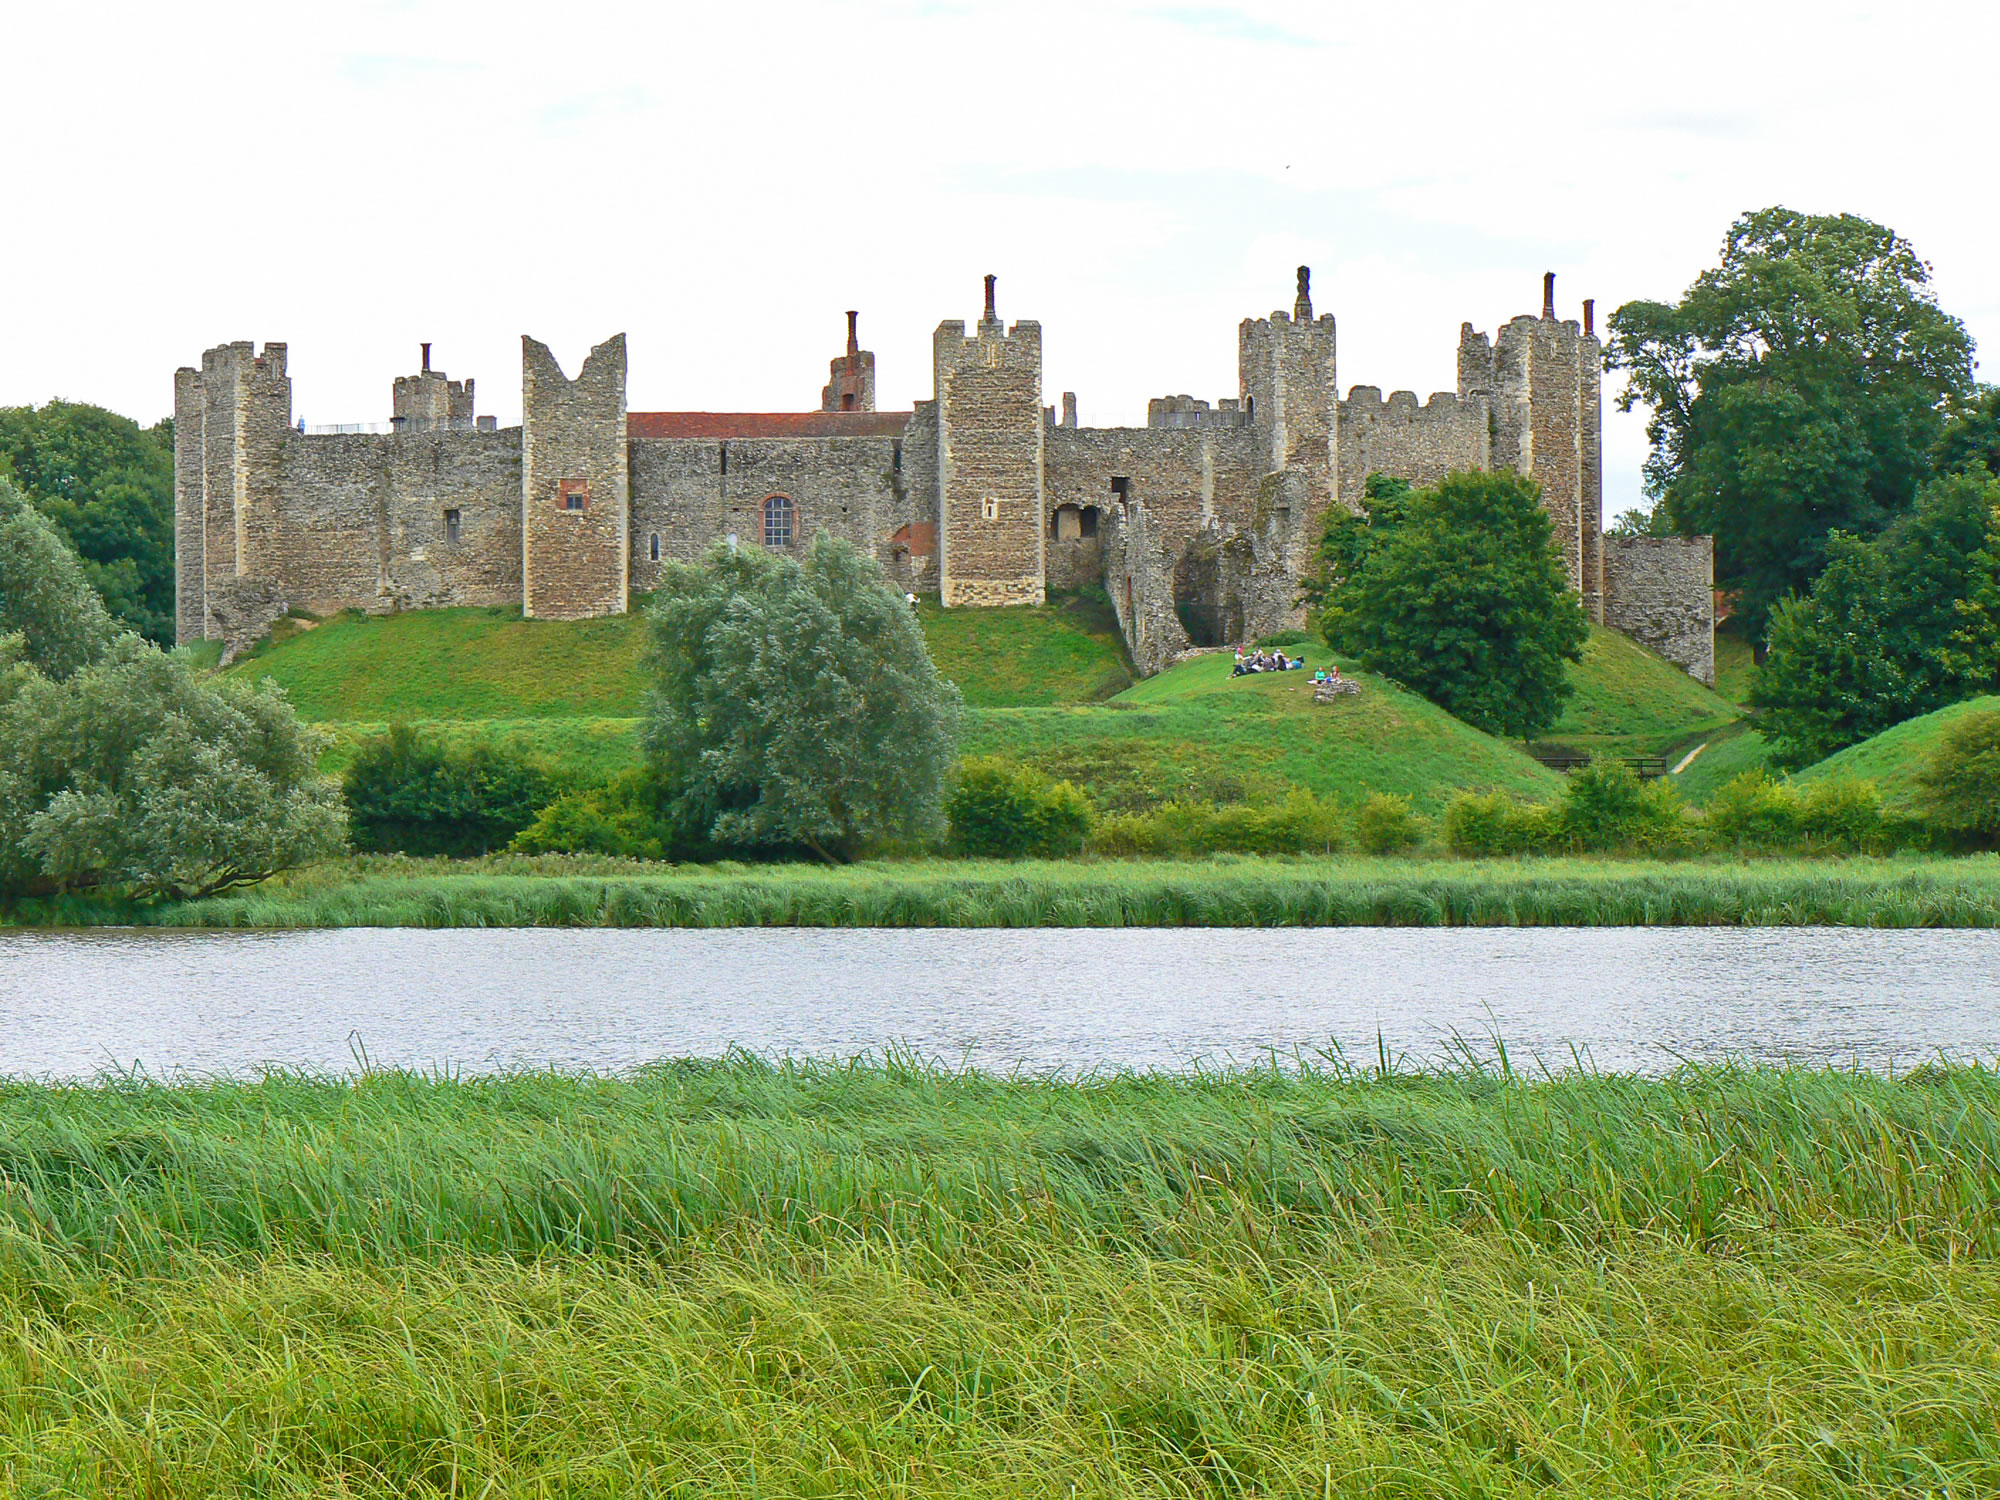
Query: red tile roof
x,y
764,424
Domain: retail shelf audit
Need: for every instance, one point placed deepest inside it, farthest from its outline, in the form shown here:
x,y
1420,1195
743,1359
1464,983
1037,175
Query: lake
x,y
81,1004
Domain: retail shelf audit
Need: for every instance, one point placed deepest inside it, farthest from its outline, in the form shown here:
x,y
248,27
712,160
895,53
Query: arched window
x,y
653,546
777,522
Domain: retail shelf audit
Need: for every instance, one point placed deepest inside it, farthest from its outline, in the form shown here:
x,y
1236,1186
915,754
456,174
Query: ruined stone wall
x,y
366,523
913,561
427,400
190,530
1422,444
991,522
691,493
1139,577
1660,591
575,484
1186,477
1590,478
1288,383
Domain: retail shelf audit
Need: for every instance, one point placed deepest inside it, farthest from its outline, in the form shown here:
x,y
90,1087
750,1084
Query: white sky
x,y
721,181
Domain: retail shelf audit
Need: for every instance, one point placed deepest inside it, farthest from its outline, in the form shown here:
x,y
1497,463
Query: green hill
x,y
1631,701
1066,651
1194,731
1894,758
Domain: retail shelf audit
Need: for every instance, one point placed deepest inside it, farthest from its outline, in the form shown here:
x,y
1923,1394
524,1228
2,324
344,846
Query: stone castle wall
x,y
575,484
1660,591
991,519
1419,443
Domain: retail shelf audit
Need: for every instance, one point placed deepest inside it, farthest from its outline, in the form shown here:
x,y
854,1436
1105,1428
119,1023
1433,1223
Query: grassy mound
x,y
454,664
734,1278
1894,758
1631,701
1067,651
1737,749
1195,732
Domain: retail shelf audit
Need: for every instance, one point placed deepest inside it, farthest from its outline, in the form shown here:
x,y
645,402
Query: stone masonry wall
x,y
1186,477
190,530
575,557
690,493
1419,443
1139,577
1660,591
991,520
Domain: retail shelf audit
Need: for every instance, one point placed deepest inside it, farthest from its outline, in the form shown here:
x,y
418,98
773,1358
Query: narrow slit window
x,y
778,522
653,546
451,525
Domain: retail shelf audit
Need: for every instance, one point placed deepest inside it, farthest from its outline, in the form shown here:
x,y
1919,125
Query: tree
x,y
45,600
1795,391
1971,435
794,705
1892,628
136,774
1347,535
1463,597
108,486
1960,782
412,793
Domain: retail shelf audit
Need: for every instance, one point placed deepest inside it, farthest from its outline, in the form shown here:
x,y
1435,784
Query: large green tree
x,y
1458,592
108,485
794,705
1971,435
1795,390
54,618
1893,627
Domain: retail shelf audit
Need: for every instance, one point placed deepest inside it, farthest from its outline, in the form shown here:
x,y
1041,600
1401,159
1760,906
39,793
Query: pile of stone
x,y
1331,688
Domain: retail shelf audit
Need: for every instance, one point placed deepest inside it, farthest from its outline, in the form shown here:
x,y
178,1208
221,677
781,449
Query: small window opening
x,y
990,508
896,455
847,402
777,522
725,458
1087,522
1121,486
451,525
653,546
575,494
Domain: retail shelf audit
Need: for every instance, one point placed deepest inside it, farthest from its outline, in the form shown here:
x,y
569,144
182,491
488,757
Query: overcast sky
x,y
720,181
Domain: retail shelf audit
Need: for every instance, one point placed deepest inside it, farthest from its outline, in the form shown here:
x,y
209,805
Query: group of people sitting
x,y
1274,660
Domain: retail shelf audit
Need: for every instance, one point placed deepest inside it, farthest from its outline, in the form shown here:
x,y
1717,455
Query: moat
x,y
85,1004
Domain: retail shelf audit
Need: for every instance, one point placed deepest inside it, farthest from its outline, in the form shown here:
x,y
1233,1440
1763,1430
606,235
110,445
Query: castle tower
x,y
428,402
988,390
1286,373
231,418
850,384
1543,378
575,489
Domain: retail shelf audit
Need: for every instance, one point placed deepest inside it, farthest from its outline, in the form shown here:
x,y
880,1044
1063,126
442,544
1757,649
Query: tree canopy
x,y
108,485
794,705
45,602
1458,592
1795,390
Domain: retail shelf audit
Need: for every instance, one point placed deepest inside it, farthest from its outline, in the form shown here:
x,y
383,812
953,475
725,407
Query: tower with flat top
x,y
988,390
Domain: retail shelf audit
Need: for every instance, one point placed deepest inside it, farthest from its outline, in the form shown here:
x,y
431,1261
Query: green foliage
x,y
1484,825
1842,815
134,774
1960,780
1636,522
1627,700
1892,628
1301,824
1754,812
794,703
1970,438
1464,599
623,817
1794,392
1001,809
46,602
1347,538
1385,823
1605,806
108,486
412,793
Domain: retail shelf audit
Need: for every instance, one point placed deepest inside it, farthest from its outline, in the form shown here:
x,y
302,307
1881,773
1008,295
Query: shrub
x,y
1840,813
1960,783
1606,807
411,793
1483,825
625,816
1302,824
1386,824
1754,812
1001,809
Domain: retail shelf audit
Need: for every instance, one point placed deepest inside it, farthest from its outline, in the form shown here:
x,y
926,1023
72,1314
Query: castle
x,y
1198,524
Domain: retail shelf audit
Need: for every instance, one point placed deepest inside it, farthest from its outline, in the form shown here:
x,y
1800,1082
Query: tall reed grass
x,y
744,1278
1223,892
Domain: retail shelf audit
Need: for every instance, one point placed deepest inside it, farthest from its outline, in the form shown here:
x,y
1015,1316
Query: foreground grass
x,y
1226,891
737,1279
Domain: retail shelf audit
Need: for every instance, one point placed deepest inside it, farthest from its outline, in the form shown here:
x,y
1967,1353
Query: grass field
x,y
1895,758
1730,753
1630,701
733,1278
1067,651
1221,891
1735,664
